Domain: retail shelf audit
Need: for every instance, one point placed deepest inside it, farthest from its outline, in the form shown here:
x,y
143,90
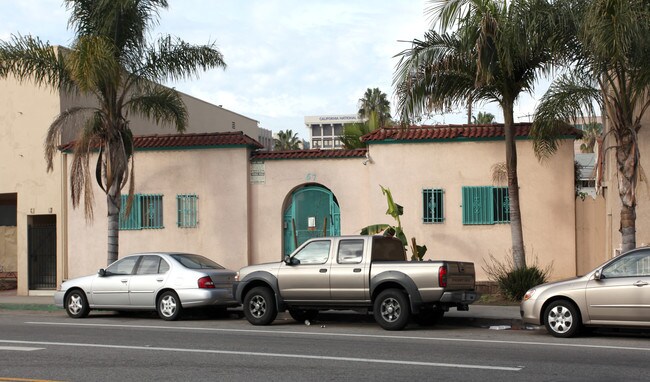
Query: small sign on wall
x,y
311,223
257,172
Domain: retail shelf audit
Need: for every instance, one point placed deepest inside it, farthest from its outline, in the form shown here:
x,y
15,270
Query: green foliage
x,y
395,210
514,282
286,140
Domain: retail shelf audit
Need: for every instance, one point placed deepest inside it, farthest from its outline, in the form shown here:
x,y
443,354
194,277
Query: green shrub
x,y
512,282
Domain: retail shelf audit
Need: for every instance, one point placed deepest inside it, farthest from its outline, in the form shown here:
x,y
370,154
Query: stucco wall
x,y
27,112
546,197
346,178
217,176
590,233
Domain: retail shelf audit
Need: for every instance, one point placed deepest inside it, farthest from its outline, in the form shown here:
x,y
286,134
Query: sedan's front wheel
x,y
562,319
169,306
76,304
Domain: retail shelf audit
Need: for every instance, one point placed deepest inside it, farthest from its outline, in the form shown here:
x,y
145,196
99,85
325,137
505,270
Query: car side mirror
x,y
598,275
287,260
101,272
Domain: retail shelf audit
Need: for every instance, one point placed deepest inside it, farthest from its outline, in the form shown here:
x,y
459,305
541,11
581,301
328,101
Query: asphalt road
x,y
109,347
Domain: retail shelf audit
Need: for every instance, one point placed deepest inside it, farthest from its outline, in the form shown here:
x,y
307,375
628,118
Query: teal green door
x,y
313,212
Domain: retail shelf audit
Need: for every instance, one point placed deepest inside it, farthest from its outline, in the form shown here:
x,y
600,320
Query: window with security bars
x,y
187,210
432,206
486,205
146,212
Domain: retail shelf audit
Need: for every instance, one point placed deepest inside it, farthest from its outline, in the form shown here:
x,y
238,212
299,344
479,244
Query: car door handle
x,y
356,270
323,270
640,283
160,280
124,281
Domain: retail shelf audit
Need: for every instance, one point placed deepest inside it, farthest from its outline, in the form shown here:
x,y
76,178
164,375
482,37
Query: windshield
x,y
195,261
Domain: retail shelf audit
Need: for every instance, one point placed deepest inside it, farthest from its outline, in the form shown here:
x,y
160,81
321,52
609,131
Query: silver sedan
x,y
165,282
615,294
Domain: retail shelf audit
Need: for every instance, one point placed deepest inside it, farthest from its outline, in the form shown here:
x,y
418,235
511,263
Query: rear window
x,y
387,249
195,261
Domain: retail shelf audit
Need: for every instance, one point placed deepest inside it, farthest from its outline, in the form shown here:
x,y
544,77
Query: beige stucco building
x,y
34,235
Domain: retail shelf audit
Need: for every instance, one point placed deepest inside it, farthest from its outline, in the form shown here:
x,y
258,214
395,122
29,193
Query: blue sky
x,y
286,59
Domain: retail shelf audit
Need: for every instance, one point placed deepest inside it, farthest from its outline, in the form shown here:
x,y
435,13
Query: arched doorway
x,y
312,211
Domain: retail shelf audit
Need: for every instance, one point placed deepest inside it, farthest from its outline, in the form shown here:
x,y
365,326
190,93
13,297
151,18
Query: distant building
x,y
325,130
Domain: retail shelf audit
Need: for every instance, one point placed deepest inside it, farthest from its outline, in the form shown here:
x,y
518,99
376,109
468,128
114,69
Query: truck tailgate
x,y
460,275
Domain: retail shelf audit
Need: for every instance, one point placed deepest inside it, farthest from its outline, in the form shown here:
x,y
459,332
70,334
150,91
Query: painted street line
x,y
273,355
348,335
19,348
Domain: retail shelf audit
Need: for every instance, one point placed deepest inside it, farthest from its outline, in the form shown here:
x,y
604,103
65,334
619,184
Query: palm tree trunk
x,y
516,231
627,165
113,198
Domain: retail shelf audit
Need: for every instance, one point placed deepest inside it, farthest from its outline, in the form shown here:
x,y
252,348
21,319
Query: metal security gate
x,y
313,212
42,256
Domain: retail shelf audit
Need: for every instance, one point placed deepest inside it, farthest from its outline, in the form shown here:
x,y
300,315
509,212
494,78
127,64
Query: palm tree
x,y
374,107
286,140
610,69
352,133
112,61
590,135
489,51
483,118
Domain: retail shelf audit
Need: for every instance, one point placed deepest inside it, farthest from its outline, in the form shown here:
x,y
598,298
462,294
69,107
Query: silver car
x,y
165,282
615,294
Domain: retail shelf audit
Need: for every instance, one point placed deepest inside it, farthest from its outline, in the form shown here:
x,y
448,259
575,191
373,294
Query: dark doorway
x,y
41,238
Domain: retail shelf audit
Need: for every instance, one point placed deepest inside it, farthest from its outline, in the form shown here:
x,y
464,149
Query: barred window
x,y
432,206
146,212
485,205
187,210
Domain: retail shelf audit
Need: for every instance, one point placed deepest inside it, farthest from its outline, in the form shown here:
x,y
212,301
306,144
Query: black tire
x,y
76,304
301,315
429,316
169,306
391,309
259,306
562,319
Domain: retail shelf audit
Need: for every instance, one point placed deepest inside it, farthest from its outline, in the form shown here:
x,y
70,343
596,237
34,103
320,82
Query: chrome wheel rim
x,y
168,306
75,304
560,319
257,306
390,310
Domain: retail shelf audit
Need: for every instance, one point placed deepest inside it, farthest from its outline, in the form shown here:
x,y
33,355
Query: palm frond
x,y
69,119
161,104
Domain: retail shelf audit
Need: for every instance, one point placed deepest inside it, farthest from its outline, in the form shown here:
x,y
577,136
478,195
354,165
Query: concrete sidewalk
x,y
494,316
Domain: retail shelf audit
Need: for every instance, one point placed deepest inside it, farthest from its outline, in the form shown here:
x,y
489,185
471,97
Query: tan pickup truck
x,y
355,272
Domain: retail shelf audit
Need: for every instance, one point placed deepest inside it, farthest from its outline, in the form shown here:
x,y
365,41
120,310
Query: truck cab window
x,y
316,252
350,251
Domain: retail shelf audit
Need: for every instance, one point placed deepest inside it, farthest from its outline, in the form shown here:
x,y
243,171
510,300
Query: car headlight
x,y
529,294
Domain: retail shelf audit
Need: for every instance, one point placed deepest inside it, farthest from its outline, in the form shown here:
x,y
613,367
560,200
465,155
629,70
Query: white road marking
x,y
351,335
275,355
19,348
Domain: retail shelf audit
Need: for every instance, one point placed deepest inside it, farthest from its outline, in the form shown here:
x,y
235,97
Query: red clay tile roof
x,y
177,141
447,132
309,154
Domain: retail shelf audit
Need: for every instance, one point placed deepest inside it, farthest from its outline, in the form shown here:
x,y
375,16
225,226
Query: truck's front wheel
x,y
259,306
391,309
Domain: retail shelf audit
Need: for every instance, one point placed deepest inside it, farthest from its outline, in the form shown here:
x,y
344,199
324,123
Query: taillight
x,y
206,283
442,276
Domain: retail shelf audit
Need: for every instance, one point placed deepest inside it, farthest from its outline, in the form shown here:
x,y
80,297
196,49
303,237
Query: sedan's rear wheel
x,y
169,306
259,306
76,304
562,319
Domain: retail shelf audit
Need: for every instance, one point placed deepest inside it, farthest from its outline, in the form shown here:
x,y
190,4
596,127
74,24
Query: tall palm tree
x,y
286,140
352,133
374,107
112,61
590,135
487,51
610,70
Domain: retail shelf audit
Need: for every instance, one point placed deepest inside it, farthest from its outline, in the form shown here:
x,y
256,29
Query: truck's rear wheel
x,y
391,309
259,306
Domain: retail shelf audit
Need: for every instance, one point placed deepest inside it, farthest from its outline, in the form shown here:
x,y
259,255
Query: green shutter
x,y
133,220
478,205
